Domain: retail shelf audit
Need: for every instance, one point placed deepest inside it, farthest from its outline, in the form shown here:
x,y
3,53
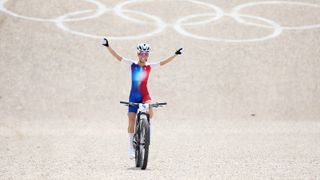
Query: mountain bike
x,y
141,137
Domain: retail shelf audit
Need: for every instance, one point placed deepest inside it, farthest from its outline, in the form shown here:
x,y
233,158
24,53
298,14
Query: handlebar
x,y
155,105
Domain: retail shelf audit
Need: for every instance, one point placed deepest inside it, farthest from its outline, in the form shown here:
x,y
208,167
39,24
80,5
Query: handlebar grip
x,y
162,104
123,102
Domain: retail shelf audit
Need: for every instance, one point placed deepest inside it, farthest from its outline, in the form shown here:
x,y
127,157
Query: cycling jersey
x,y
139,81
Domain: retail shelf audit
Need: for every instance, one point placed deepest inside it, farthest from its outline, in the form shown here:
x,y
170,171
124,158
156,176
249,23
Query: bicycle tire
x,y
137,147
145,136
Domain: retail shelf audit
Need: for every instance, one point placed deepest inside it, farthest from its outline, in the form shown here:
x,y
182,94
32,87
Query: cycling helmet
x,y
143,47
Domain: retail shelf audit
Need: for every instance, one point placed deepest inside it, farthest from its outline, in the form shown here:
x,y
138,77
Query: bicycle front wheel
x,y
145,141
137,148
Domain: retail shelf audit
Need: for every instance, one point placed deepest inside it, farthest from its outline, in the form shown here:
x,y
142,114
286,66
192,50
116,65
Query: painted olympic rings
x,y
179,25
100,10
277,29
237,9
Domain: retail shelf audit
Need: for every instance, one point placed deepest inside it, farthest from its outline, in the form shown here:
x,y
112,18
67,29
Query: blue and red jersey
x,y
139,77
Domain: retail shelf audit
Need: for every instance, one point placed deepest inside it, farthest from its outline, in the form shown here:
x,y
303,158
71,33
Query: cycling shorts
x,y
137,98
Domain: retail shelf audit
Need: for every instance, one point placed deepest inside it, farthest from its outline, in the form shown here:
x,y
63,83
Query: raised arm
x,y
113,53
178,52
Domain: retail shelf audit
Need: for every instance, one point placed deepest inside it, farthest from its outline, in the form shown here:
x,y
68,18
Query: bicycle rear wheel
x,y
144,141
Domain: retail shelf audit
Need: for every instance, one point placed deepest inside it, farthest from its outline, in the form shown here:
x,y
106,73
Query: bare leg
x,y
131,118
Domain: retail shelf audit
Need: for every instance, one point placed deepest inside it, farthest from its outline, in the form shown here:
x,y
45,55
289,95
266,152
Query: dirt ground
x,y
243,99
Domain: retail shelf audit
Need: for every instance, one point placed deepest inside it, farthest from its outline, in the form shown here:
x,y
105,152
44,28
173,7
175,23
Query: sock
x,y
130,138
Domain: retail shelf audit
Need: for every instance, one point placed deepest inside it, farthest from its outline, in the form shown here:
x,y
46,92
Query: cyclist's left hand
x,y
179,51
105,42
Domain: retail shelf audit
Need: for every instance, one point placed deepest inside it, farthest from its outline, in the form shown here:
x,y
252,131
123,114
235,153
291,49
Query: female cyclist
x,y
140,71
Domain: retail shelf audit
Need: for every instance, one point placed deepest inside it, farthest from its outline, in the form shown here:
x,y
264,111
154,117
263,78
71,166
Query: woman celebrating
x,y
139,93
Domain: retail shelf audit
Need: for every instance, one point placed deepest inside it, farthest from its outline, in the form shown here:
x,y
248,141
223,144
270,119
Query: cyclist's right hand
x,y
179,51
105,42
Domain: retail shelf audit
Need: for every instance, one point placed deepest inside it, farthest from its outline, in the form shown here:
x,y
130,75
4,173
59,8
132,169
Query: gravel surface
x,y
236,110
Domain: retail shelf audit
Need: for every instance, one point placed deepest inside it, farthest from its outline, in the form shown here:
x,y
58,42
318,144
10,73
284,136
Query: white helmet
x,y
143,47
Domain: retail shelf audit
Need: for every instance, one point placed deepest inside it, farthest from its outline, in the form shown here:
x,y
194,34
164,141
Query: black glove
x,y
178,52
105,42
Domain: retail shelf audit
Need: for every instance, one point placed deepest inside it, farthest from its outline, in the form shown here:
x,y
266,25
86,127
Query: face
x,y
143,56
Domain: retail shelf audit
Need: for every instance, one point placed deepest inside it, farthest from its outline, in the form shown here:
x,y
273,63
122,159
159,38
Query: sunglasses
x,y
143,54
